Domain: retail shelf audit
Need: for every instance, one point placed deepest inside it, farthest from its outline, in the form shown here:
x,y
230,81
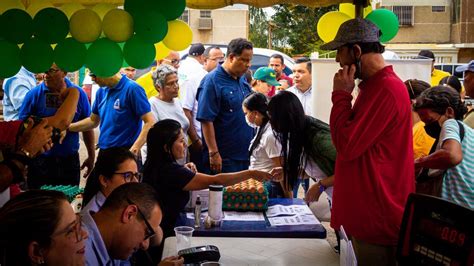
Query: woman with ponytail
x,y
264,149
114,167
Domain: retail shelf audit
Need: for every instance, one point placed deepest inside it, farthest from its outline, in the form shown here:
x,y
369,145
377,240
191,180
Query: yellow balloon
x,y
10,4
102,9
71,8
161,51
349,9
329,24
85,26
179,35
118,25
37,5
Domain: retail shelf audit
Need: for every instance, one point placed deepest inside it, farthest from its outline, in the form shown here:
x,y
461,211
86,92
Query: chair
x,y
435,232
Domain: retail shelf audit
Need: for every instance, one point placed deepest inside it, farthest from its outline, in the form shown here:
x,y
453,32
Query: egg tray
x,y
71,192
245,201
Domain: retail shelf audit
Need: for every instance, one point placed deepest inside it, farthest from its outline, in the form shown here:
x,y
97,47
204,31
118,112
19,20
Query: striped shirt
x,y
458,183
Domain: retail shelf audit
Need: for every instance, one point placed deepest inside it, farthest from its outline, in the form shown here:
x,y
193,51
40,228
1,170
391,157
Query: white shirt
x,y
268,148
305,99
190,74
164,110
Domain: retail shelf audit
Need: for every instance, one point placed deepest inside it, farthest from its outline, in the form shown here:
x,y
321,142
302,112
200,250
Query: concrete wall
x,y
429,27
227,24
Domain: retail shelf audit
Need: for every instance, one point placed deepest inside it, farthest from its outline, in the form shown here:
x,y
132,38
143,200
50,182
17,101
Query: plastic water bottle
x,y
215,202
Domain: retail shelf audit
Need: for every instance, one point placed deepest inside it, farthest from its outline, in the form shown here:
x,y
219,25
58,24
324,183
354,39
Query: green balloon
x,y
51,25
138,53
387,22
135,7
10,55
104,58
70,55
151,26
170,9
17,25
36,55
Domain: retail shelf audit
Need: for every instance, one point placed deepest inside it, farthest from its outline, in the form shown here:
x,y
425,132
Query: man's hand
x,y
135,149
172,261
313,193
89,164
216,162
36,139
344,79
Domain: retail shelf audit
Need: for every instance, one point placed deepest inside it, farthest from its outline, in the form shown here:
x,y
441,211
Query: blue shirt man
x,y
15,89
60,165
120,107
220,96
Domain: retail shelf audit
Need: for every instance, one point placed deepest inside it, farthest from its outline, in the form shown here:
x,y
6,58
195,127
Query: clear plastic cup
x,y
183,237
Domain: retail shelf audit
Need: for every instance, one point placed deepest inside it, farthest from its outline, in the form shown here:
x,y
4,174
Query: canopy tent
x,y
212,4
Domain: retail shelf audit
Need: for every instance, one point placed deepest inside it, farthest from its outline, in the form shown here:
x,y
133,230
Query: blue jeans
x,y
296,186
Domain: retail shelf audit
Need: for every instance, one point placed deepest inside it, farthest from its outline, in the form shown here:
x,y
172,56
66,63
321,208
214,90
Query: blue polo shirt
x,y
35,104
120,110
220,98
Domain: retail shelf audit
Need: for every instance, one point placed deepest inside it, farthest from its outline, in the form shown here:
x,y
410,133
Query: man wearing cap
x,y
146,80
468,70
373,138
263,80
436,74
210,57
302,88
220,95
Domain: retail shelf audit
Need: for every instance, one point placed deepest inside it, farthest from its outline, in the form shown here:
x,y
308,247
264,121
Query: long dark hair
x,y
160,141
288,121
107,164
30,216
257,102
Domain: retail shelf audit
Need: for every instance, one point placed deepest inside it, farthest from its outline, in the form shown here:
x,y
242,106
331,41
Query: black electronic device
x,y
436,232
200,254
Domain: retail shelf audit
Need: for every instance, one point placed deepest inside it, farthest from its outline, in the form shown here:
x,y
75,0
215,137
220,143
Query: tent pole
x,y
359,7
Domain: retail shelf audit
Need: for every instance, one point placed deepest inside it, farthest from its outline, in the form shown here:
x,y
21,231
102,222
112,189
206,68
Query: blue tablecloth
x,y
259,228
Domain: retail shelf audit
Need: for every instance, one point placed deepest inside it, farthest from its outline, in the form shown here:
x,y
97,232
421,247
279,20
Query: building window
x,y
404,14
205,13
185,16
438,9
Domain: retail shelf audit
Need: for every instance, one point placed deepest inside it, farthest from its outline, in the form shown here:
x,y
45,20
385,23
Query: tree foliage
x,y
295,28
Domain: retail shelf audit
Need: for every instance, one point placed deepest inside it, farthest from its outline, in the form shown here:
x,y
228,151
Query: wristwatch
x,y
26,153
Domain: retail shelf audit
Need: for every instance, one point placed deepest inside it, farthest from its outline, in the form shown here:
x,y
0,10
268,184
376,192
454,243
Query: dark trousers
x,y
50,170
198,159
228,165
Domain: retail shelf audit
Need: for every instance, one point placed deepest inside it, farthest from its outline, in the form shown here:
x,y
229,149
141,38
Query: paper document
x,y
293,220
277,210
243,216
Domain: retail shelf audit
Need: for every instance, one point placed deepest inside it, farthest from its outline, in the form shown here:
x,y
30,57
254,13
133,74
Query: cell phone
x,y
200,254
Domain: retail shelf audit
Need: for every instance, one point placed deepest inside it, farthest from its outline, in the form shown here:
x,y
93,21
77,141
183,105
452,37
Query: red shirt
x,y
9,132
282,76
374,166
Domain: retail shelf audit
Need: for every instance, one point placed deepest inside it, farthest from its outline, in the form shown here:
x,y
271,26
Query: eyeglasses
x,y
76,228
51,71
128,176
173,62
149,232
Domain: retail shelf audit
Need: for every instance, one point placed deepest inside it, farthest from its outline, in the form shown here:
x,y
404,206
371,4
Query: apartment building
x,y
444,26
218,26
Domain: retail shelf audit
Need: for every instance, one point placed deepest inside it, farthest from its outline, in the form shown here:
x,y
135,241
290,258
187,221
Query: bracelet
x,y
211,154
321,186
